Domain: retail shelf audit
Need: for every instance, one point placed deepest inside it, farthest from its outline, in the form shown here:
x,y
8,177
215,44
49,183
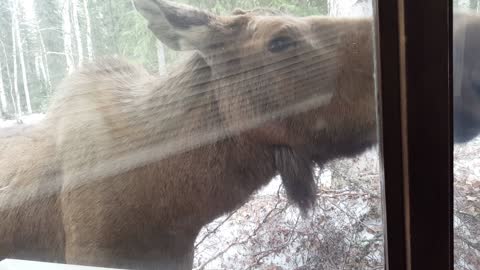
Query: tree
x,y
78,35
9,79
3,97
475,5
67,37
43,58
342,8
21,55
86,13
17,104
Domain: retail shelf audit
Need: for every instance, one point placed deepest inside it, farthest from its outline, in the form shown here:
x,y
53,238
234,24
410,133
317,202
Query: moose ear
x,y
180,27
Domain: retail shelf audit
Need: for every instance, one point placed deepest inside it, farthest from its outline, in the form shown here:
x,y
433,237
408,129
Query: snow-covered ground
x,y
27,120
9,128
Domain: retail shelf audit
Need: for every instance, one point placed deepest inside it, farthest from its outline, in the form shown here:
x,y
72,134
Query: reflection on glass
x,y
467,128
169,163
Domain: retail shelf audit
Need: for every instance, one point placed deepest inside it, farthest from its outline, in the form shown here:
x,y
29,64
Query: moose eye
x,y
280,44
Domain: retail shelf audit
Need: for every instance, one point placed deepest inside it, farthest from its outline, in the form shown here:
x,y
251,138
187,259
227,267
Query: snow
x,y
27,120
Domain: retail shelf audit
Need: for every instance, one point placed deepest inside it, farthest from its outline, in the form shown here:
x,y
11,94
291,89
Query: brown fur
x,y
127,167
296,170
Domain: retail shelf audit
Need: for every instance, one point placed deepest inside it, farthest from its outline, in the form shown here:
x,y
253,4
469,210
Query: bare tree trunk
x,y
17,105
112,24
3,96
89,30
45,73
43,61
9,77
78,34
67,36
37,66
333,7
21,56
161,58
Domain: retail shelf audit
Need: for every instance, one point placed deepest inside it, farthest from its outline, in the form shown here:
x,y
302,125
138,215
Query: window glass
x,y
466,55
206,134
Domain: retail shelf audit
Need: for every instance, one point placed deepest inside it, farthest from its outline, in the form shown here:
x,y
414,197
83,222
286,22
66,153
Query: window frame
x,y
414,56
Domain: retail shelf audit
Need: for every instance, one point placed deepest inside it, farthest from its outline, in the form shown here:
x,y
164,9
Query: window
x,y
257,83
466,218
241,137
415,45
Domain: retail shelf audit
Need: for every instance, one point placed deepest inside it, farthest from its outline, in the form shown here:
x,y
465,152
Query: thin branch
x,y
469,243
236,243
207,235
265,253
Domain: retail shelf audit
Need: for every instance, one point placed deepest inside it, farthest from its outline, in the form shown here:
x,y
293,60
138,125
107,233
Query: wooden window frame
x,y
414,56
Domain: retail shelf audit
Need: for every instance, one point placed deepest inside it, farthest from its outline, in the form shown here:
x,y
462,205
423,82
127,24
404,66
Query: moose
x,y
127,166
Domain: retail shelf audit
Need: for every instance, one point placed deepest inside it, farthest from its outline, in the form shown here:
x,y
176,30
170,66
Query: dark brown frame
x,y
415,112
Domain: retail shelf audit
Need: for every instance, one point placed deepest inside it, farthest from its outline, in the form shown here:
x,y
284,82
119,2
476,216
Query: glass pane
x,y
467,126
237,135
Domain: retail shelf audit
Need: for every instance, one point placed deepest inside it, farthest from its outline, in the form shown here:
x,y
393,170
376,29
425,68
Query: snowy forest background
x,y
42,41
